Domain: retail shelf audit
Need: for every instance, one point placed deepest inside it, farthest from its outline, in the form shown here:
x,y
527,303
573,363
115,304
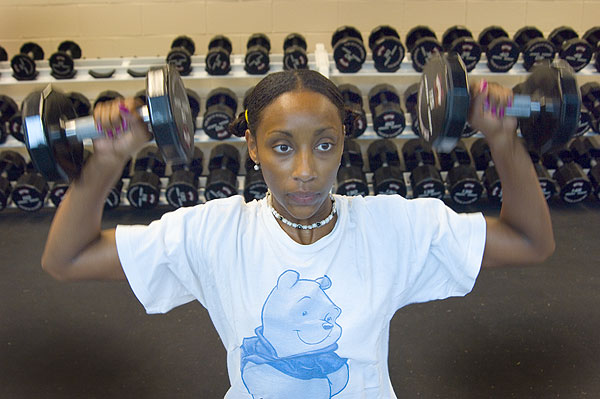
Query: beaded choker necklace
x,y
302,226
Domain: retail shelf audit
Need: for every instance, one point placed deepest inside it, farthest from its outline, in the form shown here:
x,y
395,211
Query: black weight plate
x,y
577,52
345,32
453,33
137,73
143,195
382,31
389,181
23,67
54,155
388,54
489,34
352,182
185,42
114,196
80,103
469,51
527,34
382,152
181,58
182,190
537,50
8,107
584,124
388,121
466,191
194,100
217,62
71,48
424,49
33,50
255,187
221,183
62,66
416,33
170,114
259,39
13,164
502,54
349,54
294,39
57,193
222,42
30,192
216,121
15,125
3,54
256,61
107,95
426,182
443,101
295,58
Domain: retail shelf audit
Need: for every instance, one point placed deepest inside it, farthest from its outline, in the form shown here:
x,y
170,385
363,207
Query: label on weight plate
x,y
217,63
502,56
142,196
257,62
466,193
215,125
389,124
577,55
295,60
27,199
218,191
575,192
349,56
23,67
181,195
470,54
429,190
548,188
388,56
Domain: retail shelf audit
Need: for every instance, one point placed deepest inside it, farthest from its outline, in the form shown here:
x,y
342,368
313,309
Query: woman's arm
x,y
523,231
76,248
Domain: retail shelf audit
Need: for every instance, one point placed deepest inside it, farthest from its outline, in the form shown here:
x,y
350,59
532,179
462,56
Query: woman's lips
x,y
303,198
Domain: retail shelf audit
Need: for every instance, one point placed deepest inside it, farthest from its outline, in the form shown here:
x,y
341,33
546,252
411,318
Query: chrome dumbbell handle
x,y
85,127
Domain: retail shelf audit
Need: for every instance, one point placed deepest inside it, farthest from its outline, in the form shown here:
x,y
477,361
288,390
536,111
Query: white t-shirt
x,y
304,321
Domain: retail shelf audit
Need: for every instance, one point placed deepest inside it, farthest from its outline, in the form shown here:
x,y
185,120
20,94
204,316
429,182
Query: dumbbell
x,y
54,134
533,46
30,191
460,40
182,189
180,55
411,102
223,166
501,52
107,95
194,100
462,180
218,58
349,51
351,179
144,187
256,61
574,184
425,178
255,187
422,43
386,112
23,64
354,102
221,105
62,62
113,200
12,166
547,183
548,108
8,109
577,52
59,188
80,103
3,54
587,155
386,48
590,98
482,157
384,162
294,52
592,36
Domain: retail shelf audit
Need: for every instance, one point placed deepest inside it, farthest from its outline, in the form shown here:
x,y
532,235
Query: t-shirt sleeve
x,y
447,250
160,260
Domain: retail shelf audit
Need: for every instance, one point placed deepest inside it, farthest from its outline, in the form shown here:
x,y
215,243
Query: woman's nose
x,y
304,167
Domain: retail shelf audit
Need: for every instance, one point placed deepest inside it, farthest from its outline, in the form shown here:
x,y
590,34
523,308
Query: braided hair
x,y
278,83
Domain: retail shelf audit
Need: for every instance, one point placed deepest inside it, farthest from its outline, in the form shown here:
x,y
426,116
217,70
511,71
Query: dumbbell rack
x,y
238,80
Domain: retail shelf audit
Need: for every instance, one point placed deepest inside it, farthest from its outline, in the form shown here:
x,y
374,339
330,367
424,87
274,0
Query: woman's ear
x,y
252,149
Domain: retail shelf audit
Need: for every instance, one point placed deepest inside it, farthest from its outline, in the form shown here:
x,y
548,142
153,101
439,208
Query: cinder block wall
x,y
113,28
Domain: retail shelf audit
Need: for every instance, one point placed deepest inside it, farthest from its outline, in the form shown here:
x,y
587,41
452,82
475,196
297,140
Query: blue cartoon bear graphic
x,y
293,355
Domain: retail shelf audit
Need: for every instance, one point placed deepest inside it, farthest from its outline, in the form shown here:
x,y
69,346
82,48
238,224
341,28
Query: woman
x,y
302,285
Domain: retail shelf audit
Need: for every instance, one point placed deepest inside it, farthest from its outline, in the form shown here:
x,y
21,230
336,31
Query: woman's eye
x,y
324,146
282,148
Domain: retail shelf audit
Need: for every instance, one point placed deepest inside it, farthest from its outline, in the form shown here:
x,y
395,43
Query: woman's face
x,y
298,144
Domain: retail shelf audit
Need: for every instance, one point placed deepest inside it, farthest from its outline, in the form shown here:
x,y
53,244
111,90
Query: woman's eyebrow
x,y
286,133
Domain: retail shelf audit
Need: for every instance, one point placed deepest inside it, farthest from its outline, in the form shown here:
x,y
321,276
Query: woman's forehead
x,y
301,101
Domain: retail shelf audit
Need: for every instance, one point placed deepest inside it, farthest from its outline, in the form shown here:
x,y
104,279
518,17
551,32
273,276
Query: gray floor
x,y
523,332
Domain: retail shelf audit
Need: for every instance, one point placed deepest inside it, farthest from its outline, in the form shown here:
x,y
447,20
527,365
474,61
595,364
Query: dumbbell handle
x,y
523,107
85,127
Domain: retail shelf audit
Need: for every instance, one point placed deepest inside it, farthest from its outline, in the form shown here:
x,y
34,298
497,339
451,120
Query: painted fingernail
x,y
117,130
98,127
486,105
124,125
501,113
494,110
123,108
510,102
109,133
484,85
